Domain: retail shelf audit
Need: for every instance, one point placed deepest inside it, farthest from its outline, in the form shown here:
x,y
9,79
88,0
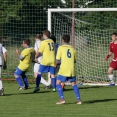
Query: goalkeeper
x,y
113,64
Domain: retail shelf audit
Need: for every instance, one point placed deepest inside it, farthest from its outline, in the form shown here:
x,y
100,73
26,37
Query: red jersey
x,y
113,49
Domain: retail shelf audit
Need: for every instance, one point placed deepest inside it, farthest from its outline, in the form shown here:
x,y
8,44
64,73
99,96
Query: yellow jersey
x,y
27,54
67,55
47,50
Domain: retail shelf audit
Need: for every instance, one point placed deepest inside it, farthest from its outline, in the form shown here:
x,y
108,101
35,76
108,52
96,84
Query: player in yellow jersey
x,y
48,60
37,64
25,57
67,54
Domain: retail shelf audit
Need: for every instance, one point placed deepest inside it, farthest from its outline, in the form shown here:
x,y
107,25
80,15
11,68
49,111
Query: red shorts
x,y
113,65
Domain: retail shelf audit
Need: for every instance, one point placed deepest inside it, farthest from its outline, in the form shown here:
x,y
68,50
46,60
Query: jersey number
x,y
68,53
51,46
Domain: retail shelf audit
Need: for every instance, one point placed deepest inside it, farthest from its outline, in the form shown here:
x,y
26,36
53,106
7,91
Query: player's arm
x,y
33,58
57,62
40,51
36,56
17,53
58,57
20,56
108,55
5,58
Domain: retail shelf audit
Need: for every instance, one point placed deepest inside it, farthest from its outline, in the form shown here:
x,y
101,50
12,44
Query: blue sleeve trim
x,y
21,57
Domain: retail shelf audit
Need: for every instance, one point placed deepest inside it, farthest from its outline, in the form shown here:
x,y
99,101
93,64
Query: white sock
x,y
111,77
49,79
43,81
1,86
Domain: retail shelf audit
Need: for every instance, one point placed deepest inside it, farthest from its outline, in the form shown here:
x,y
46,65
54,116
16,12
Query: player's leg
x,y
24,77
59,88
53,78
38,79
1,85
56,71
63,85
43,81
49,78
111,76
112,67
75,88
41,69
17,74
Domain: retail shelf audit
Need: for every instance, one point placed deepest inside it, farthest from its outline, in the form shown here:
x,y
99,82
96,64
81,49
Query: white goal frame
x,y
73,10
77,10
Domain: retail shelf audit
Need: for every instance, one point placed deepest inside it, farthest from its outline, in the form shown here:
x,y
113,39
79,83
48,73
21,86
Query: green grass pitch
x,y
97,101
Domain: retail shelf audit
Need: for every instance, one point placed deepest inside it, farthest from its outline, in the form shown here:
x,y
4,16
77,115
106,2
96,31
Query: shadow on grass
x,y
92,101
96,101
23,93
88,87
68,89
83,87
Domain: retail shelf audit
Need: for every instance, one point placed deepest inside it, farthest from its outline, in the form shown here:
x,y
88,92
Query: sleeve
x,y
4,49
35,46
58,56
110,48
41,48
24,53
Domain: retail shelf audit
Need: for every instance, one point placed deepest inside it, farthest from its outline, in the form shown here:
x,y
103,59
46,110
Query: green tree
x,y
21,18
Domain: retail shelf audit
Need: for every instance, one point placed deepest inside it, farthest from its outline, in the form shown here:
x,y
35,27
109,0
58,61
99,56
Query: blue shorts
x,y
64,78
45,69
19,72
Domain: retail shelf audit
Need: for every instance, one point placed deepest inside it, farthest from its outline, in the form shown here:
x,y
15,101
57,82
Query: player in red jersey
x,y
113,64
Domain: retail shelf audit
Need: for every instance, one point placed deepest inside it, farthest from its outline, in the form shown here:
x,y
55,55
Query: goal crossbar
x,y
74,10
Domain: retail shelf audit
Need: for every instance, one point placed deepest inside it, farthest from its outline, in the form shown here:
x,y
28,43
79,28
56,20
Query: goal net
x,y
90,30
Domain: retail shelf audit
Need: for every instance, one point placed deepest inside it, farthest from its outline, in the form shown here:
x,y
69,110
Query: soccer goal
x,y
90,30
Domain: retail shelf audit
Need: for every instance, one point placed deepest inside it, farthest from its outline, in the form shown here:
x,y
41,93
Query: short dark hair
x,y
53,38
38,36
47,33
114,34
66,38
27,41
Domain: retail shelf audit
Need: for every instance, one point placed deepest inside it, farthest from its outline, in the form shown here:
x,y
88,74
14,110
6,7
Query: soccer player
x,y
2,52
113,64
67,55
48,61
37,64
25,57
56,45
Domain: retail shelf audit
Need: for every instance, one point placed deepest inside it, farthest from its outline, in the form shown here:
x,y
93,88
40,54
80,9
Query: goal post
x,y
92,32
